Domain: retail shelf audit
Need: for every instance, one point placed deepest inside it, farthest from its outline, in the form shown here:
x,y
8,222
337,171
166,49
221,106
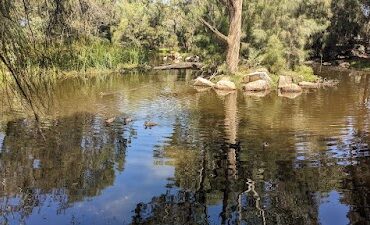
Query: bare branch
x,y
220,35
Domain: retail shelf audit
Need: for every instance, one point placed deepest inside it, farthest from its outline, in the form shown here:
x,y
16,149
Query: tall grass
x,y
82,56
105,56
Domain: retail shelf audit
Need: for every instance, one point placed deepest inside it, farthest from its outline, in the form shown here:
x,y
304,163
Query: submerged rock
x,y
329,83
284,81
225,85
292,88
203,82
223,93
200,89
308,85
290,95
257,76
259,94
259,85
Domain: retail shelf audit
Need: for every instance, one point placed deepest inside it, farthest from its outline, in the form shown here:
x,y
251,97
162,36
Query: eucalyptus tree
x,y
232,39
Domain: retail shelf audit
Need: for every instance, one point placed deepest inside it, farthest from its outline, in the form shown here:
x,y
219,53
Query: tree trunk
x,y
233,38
233,42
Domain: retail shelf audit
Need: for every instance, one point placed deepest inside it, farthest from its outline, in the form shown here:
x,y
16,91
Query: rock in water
x,y
308,85
259,94
292,88
150,124
110,120
225,85
127,120
201,89
203,82
259,85
257,76
290,95
285,81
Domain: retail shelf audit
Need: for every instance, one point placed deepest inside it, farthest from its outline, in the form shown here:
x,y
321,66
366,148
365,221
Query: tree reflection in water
x,y
76,160
245,185
202,174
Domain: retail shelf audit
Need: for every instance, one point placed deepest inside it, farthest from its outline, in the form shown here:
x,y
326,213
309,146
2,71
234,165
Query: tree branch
x,y
220,35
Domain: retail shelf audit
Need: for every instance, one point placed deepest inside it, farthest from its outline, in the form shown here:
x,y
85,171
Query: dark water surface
x,y
189,169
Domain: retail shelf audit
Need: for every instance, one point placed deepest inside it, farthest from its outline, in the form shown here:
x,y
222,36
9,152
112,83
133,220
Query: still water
x,y
214,158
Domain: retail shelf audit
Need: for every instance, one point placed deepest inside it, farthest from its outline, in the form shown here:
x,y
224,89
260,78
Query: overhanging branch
x,y
220,35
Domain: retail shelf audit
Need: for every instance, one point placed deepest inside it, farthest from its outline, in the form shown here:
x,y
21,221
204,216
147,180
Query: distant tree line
x,y
78,35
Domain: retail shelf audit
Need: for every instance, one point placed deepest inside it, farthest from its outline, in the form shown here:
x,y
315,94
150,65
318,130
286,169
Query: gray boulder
x,y
203,82
257,76
285,81
292,88
225,85
258,85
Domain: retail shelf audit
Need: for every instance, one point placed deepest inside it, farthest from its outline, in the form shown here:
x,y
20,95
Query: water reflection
x,y
204,164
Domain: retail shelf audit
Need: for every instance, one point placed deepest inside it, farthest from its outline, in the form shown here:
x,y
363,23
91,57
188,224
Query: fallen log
x,y
182,65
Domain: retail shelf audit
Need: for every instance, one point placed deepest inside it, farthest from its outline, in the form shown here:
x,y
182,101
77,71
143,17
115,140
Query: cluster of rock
x,y
260,83
224,84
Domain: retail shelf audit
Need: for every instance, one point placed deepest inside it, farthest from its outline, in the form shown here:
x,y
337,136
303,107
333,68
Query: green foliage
x,y
285,25
301,73
361,64
349,21
97,55
108,56
273,57
106,35
144,24
305,73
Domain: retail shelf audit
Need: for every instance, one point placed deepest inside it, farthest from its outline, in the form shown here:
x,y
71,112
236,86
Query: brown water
x,y
190,168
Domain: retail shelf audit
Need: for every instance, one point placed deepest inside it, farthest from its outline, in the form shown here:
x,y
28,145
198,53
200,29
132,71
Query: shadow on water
x,y
215,158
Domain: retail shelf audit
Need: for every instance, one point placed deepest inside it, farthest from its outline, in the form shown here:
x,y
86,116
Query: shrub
x,y
273,57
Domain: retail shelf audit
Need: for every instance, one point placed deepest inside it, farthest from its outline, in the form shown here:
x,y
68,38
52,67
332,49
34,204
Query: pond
x,y
213,158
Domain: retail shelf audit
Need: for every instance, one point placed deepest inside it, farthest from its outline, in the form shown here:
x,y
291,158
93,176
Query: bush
x,y
301,73
273,57
305,73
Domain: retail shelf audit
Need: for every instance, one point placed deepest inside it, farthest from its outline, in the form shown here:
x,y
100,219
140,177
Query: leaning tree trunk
x,y
235,32
233,38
